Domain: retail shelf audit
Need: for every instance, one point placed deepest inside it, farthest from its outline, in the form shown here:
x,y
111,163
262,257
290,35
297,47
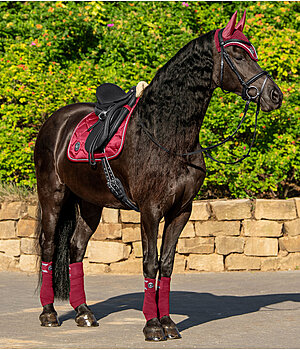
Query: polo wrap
x,y
46,292
163,290
150,306
77,294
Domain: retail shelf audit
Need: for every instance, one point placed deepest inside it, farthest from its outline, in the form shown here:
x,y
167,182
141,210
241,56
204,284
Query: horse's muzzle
x,y
271,98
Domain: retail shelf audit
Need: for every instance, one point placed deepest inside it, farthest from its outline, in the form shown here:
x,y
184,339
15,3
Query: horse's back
x,y
59,126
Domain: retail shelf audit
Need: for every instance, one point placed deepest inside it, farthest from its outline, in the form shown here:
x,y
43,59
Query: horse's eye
x,y
239,58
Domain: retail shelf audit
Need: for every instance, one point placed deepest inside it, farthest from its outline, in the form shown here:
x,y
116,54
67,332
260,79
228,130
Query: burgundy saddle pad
x,y
76,150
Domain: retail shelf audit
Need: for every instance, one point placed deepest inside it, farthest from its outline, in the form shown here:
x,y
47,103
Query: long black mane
x,y
175,102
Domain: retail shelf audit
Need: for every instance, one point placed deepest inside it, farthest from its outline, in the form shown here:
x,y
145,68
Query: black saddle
x,y
110,109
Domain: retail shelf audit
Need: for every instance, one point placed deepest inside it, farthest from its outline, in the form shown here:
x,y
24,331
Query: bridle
x,y
246,85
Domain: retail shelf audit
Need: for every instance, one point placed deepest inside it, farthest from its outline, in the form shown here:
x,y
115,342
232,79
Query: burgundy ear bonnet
x,y
233,35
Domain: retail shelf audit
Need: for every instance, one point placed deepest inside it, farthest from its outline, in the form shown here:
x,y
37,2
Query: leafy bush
x,y
57,53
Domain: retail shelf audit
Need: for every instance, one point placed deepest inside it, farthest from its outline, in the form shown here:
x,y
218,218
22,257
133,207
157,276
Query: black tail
x,y
61,259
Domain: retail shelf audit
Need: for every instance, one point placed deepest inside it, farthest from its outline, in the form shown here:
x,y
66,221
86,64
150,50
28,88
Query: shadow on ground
x,y
199,307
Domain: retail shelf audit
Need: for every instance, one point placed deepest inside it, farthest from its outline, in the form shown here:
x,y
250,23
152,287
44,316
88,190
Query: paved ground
x,y
212,310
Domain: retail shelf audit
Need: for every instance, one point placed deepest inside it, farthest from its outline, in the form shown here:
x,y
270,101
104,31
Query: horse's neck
x,y
176,101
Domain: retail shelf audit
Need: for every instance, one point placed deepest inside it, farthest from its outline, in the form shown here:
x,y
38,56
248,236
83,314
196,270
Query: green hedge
x,y
57,53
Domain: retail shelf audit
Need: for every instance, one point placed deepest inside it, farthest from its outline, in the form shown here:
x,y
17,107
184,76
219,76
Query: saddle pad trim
x,y
99,156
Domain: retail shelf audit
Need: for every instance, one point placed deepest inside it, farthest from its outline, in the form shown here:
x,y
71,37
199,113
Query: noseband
x,y
246,85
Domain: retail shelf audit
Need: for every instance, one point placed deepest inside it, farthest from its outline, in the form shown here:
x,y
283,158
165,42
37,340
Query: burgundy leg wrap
x,y
77,295
163,287
47,293
150,306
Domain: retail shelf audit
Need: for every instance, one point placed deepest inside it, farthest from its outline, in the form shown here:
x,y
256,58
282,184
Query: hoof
x,y
153,331
49,319
169,327
85,317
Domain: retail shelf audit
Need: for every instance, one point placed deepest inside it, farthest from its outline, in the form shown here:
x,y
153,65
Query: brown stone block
x,y
217,228
291,244
270,264
130,216
130,266
12,210
226,245
8,229
241,262
275,209
10,247
131,233
188,231
26,227
197,245
32,211
200,211
29,263
30,246
179,264
94,268
107,231
107,252
292,228
262,228
137,249
297,203
261,247
237,209
209,263
8,263
290,262
110,216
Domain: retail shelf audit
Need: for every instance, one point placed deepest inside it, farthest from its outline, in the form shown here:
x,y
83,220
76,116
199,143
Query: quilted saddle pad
x,y
76,151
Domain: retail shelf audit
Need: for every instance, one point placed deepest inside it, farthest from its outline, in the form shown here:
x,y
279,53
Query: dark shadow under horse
x,y
161,184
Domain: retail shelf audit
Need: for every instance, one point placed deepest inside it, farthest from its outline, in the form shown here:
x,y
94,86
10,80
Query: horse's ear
x,y
241,24
228,30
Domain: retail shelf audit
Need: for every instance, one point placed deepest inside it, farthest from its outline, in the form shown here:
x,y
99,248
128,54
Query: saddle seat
x,y
112,107
109,93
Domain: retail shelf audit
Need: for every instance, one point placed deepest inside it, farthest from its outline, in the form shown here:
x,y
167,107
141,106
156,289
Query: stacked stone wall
x,y
221,235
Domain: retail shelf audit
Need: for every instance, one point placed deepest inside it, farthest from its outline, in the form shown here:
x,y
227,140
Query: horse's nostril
x,y
275,96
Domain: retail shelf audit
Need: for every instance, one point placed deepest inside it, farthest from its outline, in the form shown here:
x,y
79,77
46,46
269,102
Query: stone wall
x,y
221,235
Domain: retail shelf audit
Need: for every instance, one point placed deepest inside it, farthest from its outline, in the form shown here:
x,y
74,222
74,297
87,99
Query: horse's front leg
x,y
153,330
87,222
173,227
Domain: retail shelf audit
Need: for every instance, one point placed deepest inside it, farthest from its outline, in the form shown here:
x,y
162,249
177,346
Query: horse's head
x,y
236,67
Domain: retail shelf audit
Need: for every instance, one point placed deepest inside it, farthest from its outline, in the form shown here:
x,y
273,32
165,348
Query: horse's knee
x,y
166,267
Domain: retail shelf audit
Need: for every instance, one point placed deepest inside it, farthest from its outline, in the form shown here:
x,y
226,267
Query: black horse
x,y
161,184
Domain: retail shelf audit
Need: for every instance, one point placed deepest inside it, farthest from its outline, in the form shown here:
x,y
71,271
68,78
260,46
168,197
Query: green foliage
x,y
57,53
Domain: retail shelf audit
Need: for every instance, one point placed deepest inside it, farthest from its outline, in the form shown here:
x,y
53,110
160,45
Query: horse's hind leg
x,y
51,203
87,222
173,227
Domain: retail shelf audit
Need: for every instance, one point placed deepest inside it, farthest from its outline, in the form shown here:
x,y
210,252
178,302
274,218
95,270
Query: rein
x,y
245,96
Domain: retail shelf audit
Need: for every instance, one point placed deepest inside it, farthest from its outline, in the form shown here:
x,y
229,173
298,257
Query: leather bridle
x,y
246,86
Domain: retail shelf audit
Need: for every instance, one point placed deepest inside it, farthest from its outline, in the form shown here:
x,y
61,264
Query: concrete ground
x,y
212,310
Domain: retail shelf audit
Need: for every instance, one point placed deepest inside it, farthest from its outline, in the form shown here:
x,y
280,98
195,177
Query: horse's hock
x,y
221,235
